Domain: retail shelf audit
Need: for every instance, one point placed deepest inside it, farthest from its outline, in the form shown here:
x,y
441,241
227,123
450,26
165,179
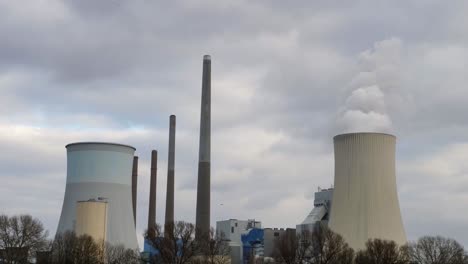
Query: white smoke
x,y
365,109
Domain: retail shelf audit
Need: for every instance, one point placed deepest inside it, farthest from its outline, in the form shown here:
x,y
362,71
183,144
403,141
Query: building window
x,y
236,224
232,229
276,234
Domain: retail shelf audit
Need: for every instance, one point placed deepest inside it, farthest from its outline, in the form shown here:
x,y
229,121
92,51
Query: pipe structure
x,y
152,194
203,186
169,218
134,186
365,200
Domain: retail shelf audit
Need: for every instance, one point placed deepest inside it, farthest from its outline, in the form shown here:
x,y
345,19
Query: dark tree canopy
x,y
20,238
118,254
214,250
329,247
383,252
323,246
177,244
437,250
67,248
288,249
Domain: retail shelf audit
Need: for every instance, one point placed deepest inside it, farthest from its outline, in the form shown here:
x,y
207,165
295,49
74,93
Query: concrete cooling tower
x,y
101,171
365,201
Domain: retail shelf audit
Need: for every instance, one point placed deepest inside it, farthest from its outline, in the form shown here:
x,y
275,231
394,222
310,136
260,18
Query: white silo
x,y
365,201
101,171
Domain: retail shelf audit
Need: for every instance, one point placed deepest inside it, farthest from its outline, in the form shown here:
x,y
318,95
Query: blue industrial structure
x,y
252,243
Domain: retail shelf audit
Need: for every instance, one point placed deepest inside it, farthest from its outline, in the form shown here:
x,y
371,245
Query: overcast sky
x,y
286,77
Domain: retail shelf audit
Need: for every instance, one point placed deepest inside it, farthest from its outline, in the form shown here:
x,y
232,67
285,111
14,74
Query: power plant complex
x,y
101,188
101,192
362,205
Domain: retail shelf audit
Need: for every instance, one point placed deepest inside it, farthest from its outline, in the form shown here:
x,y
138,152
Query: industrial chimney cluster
x,y
101,188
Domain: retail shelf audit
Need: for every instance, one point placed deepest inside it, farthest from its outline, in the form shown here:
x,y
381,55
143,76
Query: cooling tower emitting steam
x,y
169,218
365,201
101,171
152,194
365,109
203,185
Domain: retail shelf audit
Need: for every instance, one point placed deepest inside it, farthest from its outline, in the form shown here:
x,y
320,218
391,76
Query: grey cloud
x,y
115,71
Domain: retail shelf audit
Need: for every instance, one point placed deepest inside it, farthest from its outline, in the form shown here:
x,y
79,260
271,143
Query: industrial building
x,y
97,170
365,200
269,237
232,231
247,239
320,214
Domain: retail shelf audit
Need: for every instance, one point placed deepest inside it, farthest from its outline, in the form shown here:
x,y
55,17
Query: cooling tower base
x,y
118,232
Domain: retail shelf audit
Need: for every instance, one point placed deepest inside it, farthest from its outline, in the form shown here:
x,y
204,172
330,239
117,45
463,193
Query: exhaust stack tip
x,y
207,57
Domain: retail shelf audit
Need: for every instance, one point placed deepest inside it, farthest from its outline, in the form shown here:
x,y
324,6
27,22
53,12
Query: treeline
x,y
323,246
176,244
23,239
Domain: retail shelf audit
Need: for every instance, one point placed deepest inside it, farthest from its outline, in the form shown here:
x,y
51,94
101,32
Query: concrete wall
x,y
269,237
365,201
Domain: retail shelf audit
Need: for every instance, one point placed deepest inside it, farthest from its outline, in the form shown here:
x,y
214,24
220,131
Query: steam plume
x,y
365,109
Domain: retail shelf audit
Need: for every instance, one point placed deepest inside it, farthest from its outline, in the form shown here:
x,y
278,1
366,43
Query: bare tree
x,y
437,250
118,254
214,250
290,248
383,252
67,248
21,237
176,247
322,246
328,247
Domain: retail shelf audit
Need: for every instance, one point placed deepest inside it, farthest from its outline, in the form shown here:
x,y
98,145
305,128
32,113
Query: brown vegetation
x,y
177,245
383,252
322,246
20,238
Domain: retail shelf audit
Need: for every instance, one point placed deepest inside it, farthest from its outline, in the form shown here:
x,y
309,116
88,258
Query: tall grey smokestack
x,y
170,172
134,186
152,194
203,187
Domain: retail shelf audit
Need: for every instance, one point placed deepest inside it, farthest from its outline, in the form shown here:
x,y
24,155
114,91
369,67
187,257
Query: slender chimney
x,y
170,172
134,186
203,187
152,195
